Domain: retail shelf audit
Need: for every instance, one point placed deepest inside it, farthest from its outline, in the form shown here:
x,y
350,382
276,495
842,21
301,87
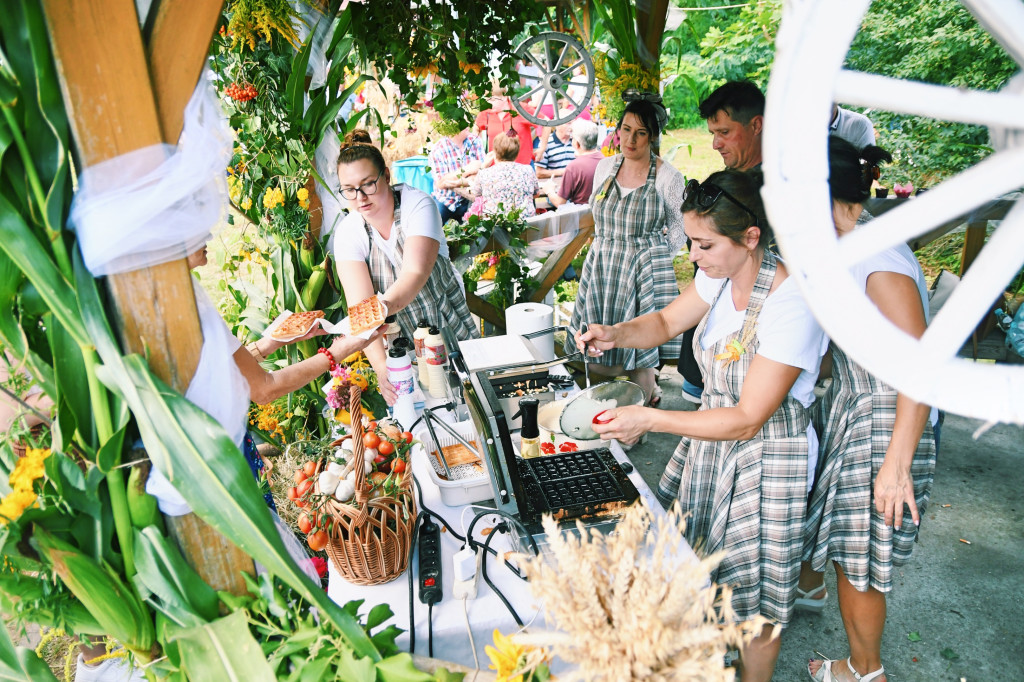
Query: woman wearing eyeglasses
x,y
391,242
877,447
637,230
742,467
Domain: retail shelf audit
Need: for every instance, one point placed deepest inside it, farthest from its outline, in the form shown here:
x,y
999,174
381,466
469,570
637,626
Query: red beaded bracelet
x,y
329,357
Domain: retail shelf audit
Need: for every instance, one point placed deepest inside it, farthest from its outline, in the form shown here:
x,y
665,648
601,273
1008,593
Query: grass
x,y
689,150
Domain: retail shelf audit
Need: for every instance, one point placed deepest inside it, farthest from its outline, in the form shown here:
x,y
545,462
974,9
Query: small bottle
x,y
530,433
392,332
418,337
436,356
401,376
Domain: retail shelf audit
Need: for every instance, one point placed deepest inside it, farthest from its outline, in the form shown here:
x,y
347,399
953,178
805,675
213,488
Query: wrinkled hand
x,y
597,340
894,487
624,424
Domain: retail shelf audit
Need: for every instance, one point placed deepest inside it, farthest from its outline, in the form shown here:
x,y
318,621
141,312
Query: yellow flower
x,y
352,358
343,416
359,380
26,472
505,658
274,197
246,203
303,197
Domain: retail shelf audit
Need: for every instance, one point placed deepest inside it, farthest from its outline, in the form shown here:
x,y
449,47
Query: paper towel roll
x,y
523,318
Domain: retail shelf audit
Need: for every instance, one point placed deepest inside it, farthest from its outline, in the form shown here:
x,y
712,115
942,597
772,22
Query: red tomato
x,y
305,487
317,541
398,466
301,503
309,468
371,440
386,447
372,426
547,448
303,522
379,458
293,493
568,447
407,435
300,476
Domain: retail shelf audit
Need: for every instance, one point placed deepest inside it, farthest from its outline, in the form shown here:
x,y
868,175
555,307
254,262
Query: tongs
x,y
562,359
428,417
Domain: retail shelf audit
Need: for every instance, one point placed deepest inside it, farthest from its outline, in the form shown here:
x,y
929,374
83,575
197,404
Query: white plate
x,y
281,318
345,327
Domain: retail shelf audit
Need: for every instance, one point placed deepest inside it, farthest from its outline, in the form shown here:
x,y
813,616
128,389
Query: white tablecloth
x,y
486,612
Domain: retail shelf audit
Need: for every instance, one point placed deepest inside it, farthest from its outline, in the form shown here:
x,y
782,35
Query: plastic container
x,y
393,330
436,356
401,376
470,482
419,338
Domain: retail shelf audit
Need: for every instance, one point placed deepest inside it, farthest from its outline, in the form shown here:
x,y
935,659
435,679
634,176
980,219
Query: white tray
x,y
470,482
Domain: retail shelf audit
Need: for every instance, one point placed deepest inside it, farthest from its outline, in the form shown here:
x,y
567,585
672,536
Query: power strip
x,y
466,572
430,562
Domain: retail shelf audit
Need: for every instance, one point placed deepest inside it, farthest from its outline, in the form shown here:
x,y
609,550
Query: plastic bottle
x,y
436,356
418,337
530,433
401,376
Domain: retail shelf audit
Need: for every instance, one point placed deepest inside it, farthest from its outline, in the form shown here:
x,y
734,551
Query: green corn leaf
x,y
295,89
222,651
79,490
197,456
184,598
400,668
109,455
72,381
21,663
22,247
109,600
11,333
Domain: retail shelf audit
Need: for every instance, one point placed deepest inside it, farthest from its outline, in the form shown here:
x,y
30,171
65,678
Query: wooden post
x,y
112,110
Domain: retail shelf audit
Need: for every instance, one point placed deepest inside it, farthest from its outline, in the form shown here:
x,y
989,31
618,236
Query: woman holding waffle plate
x,y
742,469
392,243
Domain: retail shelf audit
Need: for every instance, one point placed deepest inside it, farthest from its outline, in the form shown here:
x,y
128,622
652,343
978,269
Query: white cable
x,y
462,516
469,630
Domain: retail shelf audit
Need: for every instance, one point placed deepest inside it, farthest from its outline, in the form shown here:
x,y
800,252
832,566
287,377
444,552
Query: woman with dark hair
x,y
507,184
742,467
391,242
637,230
877,458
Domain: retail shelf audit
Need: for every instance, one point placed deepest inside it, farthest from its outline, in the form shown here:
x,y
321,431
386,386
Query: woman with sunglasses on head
x,y
637,230
391,242
742,467
878,448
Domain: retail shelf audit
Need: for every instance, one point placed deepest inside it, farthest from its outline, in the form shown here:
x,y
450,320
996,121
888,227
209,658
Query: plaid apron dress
x,y
440,301
628,271
855,419
746,498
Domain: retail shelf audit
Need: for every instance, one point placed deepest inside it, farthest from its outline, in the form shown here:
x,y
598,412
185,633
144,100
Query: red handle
x,y
597,418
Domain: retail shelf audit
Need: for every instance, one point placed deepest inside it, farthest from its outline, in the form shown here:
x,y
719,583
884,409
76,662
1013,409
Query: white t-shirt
x,y
786,332
901,260
420,218
855,128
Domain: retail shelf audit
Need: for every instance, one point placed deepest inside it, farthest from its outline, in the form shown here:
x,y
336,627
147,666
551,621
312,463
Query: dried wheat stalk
x,y
630,606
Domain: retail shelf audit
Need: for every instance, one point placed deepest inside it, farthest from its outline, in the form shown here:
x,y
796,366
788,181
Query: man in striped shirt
x,y
556,155
452,160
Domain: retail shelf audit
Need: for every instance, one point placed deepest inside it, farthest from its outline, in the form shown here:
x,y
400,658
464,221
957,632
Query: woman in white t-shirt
x,y
741,468
877,447
392,243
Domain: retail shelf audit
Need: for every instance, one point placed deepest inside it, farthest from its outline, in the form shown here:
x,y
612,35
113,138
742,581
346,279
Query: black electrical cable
x,y
430,629
412,621
502,527
505,515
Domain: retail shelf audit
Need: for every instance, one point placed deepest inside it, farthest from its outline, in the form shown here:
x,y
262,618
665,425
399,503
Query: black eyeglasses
x,y
367,188
705,195
634,95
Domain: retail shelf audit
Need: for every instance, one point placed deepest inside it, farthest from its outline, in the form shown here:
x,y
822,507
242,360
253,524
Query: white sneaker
x,y
110,670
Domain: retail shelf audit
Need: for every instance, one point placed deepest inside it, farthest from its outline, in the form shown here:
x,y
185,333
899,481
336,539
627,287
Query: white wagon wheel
x,y
807,76
557,56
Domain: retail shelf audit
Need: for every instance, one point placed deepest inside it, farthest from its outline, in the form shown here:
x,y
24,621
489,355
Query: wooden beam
x,y
176,51
559,260
111,107
974,240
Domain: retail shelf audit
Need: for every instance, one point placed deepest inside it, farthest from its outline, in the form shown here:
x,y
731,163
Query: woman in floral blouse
x,y
507,184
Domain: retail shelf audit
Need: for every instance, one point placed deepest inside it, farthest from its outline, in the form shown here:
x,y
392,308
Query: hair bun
x,y
358,136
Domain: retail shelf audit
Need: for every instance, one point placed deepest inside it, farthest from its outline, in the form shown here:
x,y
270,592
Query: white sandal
x,y
808,601
824,673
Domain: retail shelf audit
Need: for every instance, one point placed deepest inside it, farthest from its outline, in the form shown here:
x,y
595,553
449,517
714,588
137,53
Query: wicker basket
x,y
370,541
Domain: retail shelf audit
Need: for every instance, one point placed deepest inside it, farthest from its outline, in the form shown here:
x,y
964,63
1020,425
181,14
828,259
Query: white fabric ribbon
x,y
159,203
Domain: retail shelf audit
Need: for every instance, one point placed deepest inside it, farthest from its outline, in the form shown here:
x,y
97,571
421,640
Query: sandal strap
x,y
810,594
824,673
867,677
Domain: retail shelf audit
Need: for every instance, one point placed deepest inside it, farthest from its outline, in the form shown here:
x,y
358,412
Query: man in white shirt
x,y
855,128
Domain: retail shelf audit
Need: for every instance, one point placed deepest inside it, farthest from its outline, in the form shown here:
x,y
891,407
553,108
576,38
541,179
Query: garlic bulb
x,y
328,482
345,491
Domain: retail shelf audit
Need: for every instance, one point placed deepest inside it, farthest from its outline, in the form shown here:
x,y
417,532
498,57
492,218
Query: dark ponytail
x,y
850,173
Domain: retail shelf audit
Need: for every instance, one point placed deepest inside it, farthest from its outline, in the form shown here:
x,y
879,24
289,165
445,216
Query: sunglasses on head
x,y
704,195
634,95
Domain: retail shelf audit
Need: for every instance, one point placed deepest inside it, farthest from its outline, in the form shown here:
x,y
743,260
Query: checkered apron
x,y
746,498
628,271
440,301
855,419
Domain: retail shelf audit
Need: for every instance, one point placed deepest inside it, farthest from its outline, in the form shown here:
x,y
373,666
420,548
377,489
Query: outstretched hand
x,y
624,424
